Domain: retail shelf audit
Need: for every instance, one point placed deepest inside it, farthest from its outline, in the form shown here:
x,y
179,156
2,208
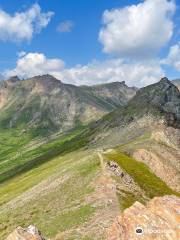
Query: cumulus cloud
x,y
23,25
134,74
138,30
173,58
65,26
96,72
31,64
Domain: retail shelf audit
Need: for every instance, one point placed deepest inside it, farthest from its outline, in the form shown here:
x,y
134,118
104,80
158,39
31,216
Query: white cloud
x,y
96,72
173,58
23,25
31,64
138,30
134,74
65,26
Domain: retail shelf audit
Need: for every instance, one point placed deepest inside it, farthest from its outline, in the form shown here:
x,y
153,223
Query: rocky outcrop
x,y
30,233
119,172
162,95
159,220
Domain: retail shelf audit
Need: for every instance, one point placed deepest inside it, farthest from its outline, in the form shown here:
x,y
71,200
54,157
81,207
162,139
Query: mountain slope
x,y
116,93
147,129
176,83
45,104
161,99
73,185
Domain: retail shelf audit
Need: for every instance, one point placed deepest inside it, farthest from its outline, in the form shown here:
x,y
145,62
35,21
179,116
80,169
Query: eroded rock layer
x,y
159,219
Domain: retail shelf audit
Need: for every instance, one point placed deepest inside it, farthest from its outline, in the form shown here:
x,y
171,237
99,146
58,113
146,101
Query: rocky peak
x,y
159,219
46,77
14,79
11,82
30,233
163,95
164,79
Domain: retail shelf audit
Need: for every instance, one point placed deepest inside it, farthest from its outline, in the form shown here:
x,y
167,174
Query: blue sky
x,y
75,43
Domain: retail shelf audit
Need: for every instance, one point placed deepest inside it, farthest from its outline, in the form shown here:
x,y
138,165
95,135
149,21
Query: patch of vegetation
x,y
60,207
17,159
142,175
126,199
71,219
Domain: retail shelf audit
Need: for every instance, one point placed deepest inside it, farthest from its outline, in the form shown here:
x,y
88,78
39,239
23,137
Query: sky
x,y
91,41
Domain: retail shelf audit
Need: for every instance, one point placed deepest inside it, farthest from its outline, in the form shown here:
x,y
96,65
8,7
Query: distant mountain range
x,y
44,103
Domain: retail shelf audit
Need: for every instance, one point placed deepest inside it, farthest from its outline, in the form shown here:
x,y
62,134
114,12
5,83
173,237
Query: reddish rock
x,y
158,220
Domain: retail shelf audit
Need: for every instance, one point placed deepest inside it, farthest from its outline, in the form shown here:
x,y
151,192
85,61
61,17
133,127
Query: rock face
x,y
31,233
163,95
118,171
159,220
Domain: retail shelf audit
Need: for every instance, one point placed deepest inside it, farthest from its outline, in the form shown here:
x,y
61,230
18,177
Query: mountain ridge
x,y
64,105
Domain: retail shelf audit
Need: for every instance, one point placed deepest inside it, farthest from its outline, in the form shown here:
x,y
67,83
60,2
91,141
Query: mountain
x,y
116,93
147,129
177,83
45,104
74,184
159,99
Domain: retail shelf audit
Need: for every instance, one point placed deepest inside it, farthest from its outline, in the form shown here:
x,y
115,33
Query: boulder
x,y
30,233
158,220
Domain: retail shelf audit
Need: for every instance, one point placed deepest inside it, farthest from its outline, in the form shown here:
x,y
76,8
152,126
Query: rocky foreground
x,y
159,219
30,233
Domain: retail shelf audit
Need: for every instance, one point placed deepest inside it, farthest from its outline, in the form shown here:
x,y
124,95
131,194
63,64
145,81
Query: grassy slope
x,y
56,205
60,205
143,176
16,157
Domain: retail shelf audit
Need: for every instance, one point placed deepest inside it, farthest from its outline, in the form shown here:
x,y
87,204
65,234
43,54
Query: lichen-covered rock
x,y
30,233
158,220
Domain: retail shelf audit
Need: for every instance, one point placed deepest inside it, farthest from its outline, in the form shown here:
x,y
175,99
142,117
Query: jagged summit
x,y
164,79
163,95
45,77
159,99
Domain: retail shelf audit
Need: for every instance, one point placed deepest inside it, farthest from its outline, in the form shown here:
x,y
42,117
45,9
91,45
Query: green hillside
x,y
60,181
